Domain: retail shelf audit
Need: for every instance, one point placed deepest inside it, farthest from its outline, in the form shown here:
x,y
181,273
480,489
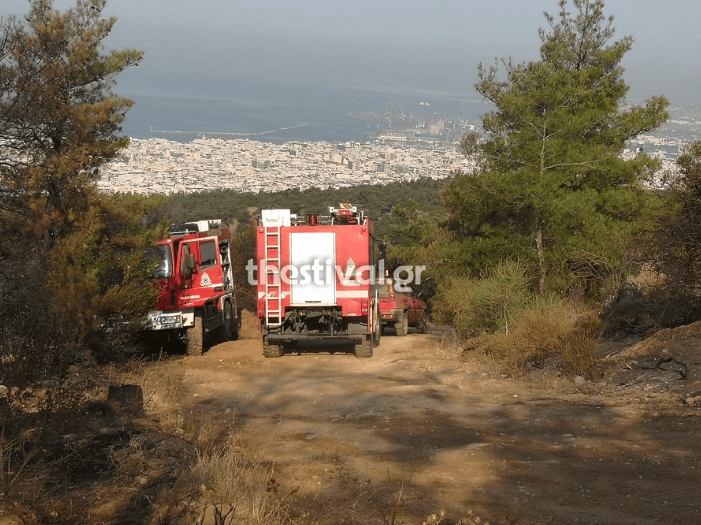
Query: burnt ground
x,y
415,431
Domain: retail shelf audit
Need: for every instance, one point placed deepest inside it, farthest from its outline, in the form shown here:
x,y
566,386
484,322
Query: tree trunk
x,y
541,260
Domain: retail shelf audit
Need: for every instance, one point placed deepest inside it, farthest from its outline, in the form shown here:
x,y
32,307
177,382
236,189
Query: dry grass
x,y
234,485
240,484
547,329
164,394
502,320
448,344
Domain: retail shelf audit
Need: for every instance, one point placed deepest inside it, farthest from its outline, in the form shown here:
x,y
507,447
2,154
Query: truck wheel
x,y
364,349
194,337
271,350
402,326
377,328
228,330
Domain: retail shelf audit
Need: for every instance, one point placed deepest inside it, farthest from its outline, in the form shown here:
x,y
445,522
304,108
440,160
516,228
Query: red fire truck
x,y
315,278
196,285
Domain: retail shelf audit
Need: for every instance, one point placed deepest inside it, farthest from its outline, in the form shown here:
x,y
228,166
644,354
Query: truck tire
x,y
364,349
194,337
402,326
229,329
271,350
377,327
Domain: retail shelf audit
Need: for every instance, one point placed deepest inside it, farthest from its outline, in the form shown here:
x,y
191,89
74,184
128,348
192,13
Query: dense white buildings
x,y
162,166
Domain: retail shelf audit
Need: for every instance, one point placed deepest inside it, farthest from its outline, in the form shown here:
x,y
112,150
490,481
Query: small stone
x,y
690,401
579,381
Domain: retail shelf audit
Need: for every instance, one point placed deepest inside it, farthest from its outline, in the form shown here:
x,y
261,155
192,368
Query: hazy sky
x,y
207,45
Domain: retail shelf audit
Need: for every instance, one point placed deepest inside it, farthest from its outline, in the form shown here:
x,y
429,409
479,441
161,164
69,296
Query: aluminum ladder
x,y
273,286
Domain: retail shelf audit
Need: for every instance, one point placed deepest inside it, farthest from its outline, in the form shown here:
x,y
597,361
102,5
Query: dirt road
x,y
355,434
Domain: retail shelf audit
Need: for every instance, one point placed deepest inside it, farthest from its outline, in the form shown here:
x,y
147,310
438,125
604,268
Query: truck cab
x,y
194,277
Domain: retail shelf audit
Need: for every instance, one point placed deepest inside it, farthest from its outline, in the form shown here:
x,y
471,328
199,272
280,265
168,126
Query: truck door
x,y
208,270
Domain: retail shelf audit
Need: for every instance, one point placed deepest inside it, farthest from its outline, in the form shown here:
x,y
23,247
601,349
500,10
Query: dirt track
x,y
350,433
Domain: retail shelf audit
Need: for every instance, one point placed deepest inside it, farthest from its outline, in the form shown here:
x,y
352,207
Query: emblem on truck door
x,y
349,276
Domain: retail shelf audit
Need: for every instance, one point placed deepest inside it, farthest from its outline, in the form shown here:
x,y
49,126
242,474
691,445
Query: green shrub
x,y
488,305
539,331
451,304
544,328
536,333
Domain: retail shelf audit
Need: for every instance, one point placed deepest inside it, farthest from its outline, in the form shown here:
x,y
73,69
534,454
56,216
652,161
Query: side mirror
x,y
190,262
188,265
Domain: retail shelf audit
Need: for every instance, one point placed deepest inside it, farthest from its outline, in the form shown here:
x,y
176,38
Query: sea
x,y
314,112
294,113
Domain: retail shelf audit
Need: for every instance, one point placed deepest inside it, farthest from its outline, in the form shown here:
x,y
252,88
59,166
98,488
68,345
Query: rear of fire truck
x,y
314,280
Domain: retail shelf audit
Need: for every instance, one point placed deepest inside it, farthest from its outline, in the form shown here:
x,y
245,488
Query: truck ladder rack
x,y
271,272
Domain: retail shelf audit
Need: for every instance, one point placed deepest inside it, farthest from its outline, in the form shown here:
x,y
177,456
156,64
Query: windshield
x,y
165,261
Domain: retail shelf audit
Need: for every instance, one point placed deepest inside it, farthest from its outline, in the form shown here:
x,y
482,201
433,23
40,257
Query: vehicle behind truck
x,y
401,310
315,279
195,281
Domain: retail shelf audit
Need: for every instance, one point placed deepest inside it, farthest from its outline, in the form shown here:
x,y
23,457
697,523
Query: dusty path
x,y
352,432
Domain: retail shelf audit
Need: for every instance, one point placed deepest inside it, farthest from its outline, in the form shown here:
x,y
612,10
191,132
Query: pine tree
x,y
552,185
678,253
64,247
59,119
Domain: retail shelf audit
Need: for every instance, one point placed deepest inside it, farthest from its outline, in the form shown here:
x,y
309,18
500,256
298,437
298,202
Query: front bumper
x,y
168,320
